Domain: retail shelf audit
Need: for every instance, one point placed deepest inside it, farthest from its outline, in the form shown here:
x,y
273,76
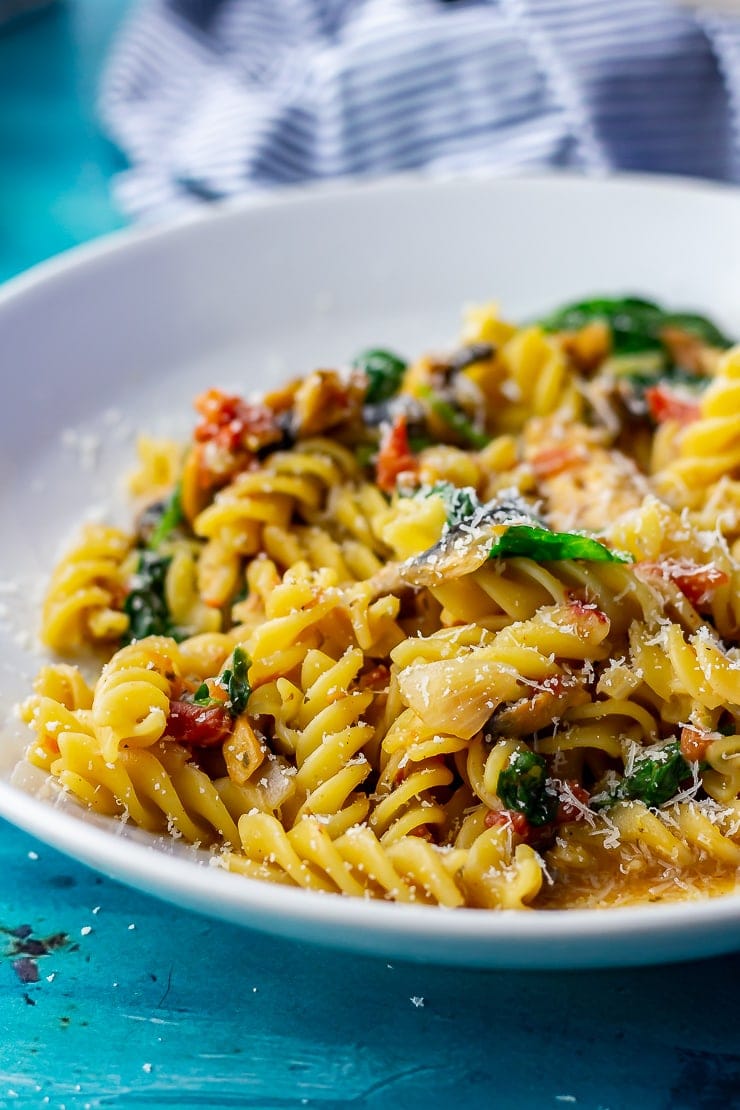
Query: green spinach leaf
x,y
697,325
234,681
545,546
202,696
460,502
146,604
636,325
172,516
454,418
523,787
654,779
384,372
364,453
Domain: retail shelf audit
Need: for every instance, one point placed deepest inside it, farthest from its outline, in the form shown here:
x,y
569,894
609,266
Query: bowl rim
x,y
252,902
134,236
163,872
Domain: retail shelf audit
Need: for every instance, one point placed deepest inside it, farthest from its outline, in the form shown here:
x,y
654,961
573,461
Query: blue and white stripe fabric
x,y
209,98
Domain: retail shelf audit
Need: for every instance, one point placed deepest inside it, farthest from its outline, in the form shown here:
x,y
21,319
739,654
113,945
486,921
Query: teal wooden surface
x,y
139,1004
148,1005
55,165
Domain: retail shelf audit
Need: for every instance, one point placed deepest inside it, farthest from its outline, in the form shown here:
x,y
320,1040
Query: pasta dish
x,y
461,631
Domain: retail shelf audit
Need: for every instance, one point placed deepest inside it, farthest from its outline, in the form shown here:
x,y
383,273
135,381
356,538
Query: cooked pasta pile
x,y
459,632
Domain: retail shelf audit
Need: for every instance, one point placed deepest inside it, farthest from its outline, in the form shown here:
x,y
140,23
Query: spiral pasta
x,y
463,632
327,738
708,448
159,466
158,788
132,696
84,597
409,869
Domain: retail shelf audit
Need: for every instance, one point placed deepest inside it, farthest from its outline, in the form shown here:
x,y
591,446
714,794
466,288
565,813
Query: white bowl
x,y
116,337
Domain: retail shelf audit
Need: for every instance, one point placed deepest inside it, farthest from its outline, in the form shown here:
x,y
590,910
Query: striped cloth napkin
x,y
209,98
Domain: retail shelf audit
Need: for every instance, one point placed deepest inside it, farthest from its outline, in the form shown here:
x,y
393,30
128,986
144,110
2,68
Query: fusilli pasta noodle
x,y
460,632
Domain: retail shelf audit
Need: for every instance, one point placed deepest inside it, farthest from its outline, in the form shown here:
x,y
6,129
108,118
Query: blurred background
x,y
112,110
55,163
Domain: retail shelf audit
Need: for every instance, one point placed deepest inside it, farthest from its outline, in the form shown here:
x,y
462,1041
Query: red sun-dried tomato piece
x,y
567,810
550,461
696,581
394,456
234,423
198,726
665,403
517,821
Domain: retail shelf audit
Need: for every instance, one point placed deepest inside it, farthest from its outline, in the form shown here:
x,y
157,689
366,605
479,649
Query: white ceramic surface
x,y
117,337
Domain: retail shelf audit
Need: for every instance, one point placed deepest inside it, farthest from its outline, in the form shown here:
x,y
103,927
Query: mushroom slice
x,y
538,711
462,549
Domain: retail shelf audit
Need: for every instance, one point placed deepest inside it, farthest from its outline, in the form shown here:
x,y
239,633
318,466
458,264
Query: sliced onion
x,y
277,782
243,752
457,696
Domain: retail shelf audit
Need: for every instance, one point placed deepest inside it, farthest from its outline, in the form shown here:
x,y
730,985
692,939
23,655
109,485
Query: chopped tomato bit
x,y
694,743
395,457
233,423
696,581
197,725
567,810
554,460
665,403
517,821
